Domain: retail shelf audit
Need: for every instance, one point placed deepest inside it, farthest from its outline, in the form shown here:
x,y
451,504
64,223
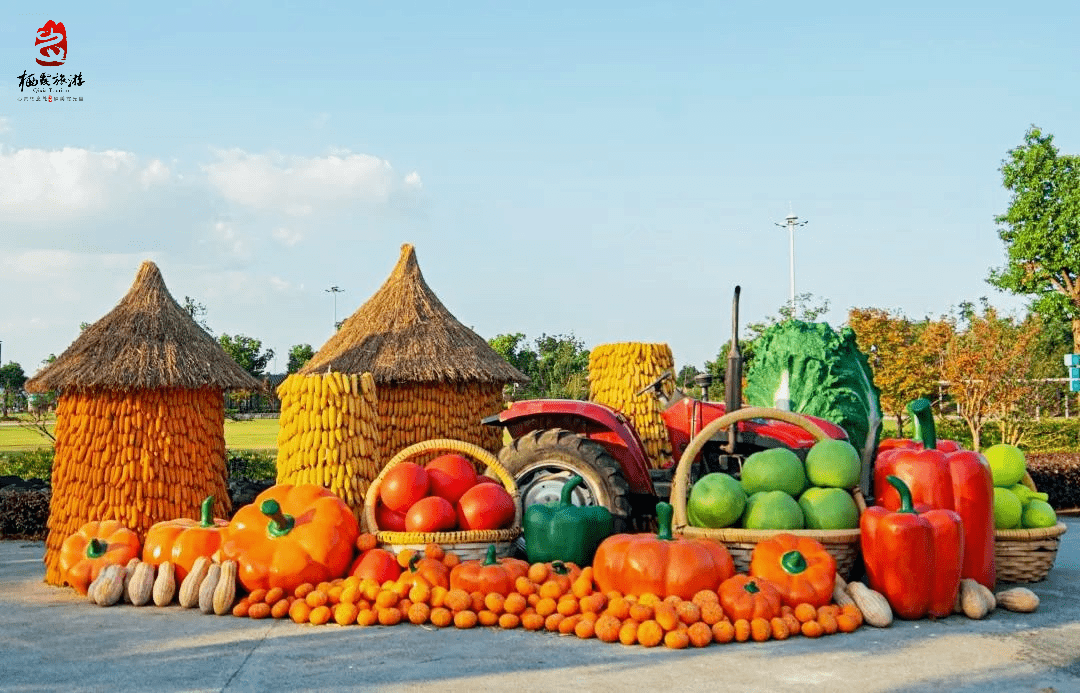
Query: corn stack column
x,y
616,372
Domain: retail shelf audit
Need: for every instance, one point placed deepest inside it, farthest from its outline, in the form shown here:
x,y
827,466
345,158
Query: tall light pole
x,y
335,291
791,222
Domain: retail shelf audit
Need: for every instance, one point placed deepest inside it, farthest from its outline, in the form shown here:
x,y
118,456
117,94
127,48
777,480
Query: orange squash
x,y
94,546
291,535
489,575
183,540
660,564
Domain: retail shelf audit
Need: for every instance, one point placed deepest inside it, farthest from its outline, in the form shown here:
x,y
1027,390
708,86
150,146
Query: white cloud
x,y
299,186
5,124
287,237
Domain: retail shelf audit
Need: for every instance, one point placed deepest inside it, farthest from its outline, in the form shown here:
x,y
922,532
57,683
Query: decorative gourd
x,y
291,535
660,564
164,584
429,570
189,587
489,575
140,587
873,605
93,546
129,570
1018,599
745,597
976,600
208,587
840,595
225,592
110,585
183,540
800,567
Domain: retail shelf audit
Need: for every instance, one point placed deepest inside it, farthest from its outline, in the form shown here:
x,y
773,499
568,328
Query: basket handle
x,y
440,445
682,470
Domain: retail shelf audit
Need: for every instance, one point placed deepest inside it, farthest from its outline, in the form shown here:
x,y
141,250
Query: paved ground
x,y
53,640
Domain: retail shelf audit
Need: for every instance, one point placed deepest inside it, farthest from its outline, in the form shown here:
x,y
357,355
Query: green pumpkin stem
x,y
922,416
664,513
96,548
206,512
751,587
793,562
559,568
415,561
280,524
490,558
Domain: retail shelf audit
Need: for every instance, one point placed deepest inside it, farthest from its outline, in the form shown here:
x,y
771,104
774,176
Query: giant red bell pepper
x,y
959,481
911,557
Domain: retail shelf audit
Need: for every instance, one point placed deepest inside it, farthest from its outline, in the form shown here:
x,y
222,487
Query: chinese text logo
x,y
51,44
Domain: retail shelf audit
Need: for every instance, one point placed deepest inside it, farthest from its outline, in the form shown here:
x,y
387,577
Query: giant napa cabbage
x,y
809,368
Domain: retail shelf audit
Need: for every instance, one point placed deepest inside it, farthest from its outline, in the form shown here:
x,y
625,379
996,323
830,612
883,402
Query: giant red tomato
x,y
431,514
389,520
378,564
485,506
451,476
403,485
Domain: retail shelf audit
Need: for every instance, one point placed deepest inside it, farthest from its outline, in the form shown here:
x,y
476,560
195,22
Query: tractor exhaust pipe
x,y
733,375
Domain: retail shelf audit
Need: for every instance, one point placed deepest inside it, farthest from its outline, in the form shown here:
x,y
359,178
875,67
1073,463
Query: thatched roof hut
x,y
404,334
435,378
146,342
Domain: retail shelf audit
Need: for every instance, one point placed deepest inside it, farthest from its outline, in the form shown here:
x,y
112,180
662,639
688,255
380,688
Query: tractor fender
x,y
595,421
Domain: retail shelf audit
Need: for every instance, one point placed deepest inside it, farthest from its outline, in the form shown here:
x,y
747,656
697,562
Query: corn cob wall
x,y
616,372
329,434
138,456
413,412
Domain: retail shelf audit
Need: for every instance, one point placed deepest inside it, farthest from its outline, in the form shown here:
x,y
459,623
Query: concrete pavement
x,y
53,640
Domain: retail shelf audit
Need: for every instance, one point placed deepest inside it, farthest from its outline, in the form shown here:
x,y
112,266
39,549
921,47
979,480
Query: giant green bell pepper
x,y
563,531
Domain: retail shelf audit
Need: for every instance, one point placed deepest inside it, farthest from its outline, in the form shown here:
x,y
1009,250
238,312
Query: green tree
x,y
557,365
12,379
299,354
197,311
1041,228
248,352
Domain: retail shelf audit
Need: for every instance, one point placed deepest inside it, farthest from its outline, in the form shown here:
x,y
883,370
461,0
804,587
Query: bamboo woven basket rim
x,y
679,488
1031,534
455,537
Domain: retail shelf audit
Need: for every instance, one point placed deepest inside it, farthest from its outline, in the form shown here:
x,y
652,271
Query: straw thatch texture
x,y
404,334
616,372
146,342
329,434
137,456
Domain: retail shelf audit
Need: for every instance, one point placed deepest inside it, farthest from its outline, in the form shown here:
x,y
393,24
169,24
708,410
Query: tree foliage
x,y
197,311
12,379
247,352
1041,228
299,354
557,365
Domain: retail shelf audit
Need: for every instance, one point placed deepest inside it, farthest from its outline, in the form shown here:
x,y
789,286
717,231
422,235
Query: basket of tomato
x,y
445,501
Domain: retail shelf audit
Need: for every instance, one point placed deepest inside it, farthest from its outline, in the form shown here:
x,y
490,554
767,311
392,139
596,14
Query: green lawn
x,y
257,434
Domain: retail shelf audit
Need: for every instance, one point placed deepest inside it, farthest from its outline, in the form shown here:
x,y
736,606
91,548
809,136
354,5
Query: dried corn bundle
x,y
414,412
137,456
329,434
616,372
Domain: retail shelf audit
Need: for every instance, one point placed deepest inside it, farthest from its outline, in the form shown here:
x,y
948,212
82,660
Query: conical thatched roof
x,y
403,333
146,342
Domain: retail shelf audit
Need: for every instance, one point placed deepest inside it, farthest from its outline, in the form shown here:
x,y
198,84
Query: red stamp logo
x,y
51,44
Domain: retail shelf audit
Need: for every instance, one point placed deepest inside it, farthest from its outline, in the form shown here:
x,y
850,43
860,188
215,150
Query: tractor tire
x,y
542,461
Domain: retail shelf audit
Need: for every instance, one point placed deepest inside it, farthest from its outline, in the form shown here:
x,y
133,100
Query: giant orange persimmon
x,y
660,564
291,535
182,540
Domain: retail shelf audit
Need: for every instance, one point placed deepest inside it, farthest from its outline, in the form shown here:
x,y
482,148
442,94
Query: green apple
x,y
829,508
833,463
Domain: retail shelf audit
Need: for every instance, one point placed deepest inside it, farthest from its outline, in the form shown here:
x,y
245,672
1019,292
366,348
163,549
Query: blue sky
x,y
609,170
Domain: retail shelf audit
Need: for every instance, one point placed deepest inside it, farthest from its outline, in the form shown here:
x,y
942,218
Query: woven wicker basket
x,y
1026,555
842,544
468,544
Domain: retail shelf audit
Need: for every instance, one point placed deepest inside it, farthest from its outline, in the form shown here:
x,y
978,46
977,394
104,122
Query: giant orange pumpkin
x,y
291,535
660,564
489,575
182,540
92,547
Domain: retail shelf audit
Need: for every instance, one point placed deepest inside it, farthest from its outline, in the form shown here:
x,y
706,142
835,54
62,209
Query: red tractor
x,y
555,439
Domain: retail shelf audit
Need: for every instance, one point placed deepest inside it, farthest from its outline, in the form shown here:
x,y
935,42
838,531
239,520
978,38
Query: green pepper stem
x,y
280,524
206,517
568,488
793,562
96,548
664,512
906,503
490,559
922,417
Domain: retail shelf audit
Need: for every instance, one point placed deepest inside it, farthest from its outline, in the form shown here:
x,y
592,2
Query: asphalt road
x,y
53,640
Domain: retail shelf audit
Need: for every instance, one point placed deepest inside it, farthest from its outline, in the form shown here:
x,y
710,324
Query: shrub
x,y
27,464
255,465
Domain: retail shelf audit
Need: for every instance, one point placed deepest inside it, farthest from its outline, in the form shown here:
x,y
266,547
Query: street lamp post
x,y
335,291
791,222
